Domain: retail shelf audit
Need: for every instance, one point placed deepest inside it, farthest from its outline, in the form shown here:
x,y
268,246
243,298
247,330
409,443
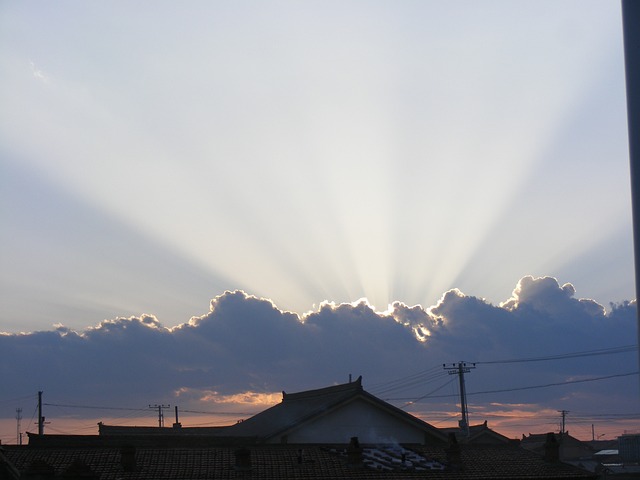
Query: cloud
x,y
546,296
39,74
246,348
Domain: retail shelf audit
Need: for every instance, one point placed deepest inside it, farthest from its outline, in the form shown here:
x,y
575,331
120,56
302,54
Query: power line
x,y
531,387
408,381
97,407
564,356
217,412
568,382
608,416
12,400
428,394
435,373
94,407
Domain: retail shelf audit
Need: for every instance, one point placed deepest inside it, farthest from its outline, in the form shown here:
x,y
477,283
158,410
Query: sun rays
x,y
348,157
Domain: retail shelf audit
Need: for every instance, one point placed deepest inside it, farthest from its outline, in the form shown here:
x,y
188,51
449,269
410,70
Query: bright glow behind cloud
x,y
330,150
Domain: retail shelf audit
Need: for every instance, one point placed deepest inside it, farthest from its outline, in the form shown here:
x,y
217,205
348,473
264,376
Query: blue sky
x,y
155,155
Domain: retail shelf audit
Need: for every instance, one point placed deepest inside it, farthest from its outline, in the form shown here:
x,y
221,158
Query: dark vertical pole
x,y
460,370
464,423
631,33
40,418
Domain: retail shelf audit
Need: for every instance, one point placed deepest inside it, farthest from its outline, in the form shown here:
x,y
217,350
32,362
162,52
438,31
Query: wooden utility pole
x,y
160,408
40,417
564,419
460,369
18,429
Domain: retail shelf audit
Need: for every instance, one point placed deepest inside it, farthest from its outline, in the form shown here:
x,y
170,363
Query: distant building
x,y
478,434
327,415
571,449
629,448
337,432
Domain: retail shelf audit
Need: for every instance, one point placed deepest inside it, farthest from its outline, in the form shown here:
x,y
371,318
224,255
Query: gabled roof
x,y
297,409
477,434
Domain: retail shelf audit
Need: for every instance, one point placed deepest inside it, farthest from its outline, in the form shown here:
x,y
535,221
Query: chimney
x,y
243,459
551,449
354,453
128,458
454,458
177,424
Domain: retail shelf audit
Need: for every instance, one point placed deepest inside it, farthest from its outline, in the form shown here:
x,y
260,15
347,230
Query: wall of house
x,y
359,419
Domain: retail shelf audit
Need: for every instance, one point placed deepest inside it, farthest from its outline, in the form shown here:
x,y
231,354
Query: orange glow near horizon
x,y
508,423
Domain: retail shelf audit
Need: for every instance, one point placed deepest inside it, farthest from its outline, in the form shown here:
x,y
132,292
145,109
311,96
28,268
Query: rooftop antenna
x,y
460,369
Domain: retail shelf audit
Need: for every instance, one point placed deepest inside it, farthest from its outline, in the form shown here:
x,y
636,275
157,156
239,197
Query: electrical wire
x,y
401,380
217,412
564,356
428,394
568,382
94,407
410,381
15,399
531,387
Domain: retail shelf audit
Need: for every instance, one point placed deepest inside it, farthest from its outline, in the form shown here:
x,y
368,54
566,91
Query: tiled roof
x,y
298,462
296,408
477,434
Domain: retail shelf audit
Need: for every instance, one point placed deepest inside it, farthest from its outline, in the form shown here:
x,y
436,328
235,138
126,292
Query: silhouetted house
x,y
478,434
337,432
571,450
333,414
327,415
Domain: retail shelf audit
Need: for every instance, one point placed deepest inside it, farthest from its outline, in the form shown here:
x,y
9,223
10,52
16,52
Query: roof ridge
x,y
354,387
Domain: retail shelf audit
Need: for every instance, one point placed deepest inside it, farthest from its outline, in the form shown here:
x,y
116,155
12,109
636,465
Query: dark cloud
x,y
247,344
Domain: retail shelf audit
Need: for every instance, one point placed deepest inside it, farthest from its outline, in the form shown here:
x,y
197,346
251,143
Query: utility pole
x,y
18,429
631,38
460,369
40,417
564,418
160,408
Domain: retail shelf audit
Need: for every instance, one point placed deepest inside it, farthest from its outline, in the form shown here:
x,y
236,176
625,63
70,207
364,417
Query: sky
x,y
255,186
